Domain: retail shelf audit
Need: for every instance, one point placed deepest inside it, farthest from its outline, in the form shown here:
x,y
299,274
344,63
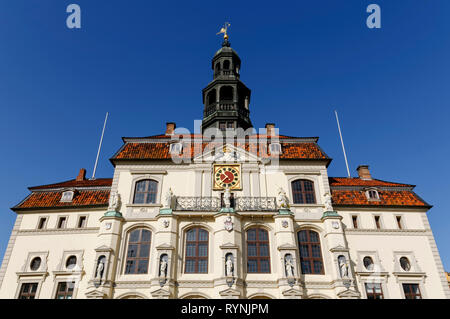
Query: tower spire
x,y
226,98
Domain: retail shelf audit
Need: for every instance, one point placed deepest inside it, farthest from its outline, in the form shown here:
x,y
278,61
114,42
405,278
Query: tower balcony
x,y
226,106
225,74
214,204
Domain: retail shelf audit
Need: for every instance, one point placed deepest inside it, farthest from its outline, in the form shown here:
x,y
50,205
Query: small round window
x,y
404,263
35,263
368,263
71,262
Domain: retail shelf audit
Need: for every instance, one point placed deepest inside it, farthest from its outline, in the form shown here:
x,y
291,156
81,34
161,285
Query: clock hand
x,y
224,178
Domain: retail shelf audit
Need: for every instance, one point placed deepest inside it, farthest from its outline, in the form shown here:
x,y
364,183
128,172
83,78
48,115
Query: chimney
x,y
170,128
81,175
363,172
270,129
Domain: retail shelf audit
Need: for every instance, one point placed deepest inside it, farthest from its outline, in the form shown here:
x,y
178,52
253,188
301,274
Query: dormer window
x,y
372,194
67,196
275,148
176,148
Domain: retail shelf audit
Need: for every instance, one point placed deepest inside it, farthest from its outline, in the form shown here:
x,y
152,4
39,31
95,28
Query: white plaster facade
x,y
108,235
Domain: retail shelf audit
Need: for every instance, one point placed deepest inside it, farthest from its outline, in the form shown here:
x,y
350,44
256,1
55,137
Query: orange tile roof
x,y
345,181
136,150
387,198
73,183
52,199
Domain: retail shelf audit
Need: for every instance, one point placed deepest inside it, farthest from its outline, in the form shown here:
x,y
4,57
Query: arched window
x,y
211,98
35,263
218,67
310,253
226,93
145,192
404,263
226,64
138,252
303,192
258,256
196,251
368,263
71,262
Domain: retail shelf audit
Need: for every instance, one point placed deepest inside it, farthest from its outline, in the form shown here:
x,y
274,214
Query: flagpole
x,y
342,142
99,147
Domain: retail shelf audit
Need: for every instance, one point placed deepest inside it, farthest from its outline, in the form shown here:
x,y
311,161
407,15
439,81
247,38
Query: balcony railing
x,y
214,204
198,203
256,204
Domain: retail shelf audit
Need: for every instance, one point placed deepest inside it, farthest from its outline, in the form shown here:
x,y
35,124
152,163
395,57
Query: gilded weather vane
x,y
224,30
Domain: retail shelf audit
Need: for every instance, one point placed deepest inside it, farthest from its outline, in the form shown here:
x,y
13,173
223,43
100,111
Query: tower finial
x,y
224,30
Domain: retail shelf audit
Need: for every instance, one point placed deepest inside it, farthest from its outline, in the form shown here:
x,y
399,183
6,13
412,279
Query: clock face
x,y
227,176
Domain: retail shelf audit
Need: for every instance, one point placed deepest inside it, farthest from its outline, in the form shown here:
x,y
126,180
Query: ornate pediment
x,y
287,247
161,294
349,294
103,248
165,246
227,153
230,293
292,293
95,294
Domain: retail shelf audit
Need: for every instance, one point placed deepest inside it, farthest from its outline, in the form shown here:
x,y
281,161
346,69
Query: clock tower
x,y
226,99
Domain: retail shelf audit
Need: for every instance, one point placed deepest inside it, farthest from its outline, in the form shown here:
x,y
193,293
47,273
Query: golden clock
x,y
227,176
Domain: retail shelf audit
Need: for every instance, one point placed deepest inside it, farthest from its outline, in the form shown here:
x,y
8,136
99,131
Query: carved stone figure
x,y
343,266
282,199
289,266
227,197
99,271
163,267
327,202
229,266
168,198
114,201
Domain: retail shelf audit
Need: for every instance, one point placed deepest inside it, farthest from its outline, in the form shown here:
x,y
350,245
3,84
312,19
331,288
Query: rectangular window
x,y
374,291
355,221
399,222
65,290
377,222
412,291
82,222
222,126
62,222
230,125
28,290
42,222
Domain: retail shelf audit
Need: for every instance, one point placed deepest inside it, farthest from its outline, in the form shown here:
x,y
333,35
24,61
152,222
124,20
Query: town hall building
x,y
227,212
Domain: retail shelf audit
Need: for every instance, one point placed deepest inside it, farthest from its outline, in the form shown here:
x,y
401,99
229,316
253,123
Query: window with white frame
x,y
176,148
275,148
372,194
67,196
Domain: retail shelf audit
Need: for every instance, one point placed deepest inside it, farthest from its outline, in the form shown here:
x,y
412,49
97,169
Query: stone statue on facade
x,y
282,199
343,266
229,266
227,197
289,266
99,271
114,201
327,202
163,267
168,198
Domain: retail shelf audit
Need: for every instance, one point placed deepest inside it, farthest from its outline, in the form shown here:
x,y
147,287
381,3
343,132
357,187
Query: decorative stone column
x,y
345,283
228,243
288,273
163,282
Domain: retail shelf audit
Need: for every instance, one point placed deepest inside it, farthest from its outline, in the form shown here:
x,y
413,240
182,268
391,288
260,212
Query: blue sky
x,y
146,62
